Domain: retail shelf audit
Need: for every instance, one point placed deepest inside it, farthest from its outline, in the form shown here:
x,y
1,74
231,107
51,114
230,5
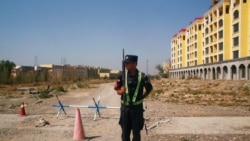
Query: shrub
x,y
44,94
60,89
82,85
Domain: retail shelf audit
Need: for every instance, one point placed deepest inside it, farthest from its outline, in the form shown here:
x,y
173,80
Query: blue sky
x,y
93,32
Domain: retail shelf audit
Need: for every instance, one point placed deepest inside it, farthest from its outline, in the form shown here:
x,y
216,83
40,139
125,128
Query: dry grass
x,y
204,92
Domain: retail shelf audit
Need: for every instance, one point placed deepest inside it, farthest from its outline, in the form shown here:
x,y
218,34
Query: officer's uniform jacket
x,y
132,81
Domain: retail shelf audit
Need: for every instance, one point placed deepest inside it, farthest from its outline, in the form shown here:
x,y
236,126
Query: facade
x,y
215,46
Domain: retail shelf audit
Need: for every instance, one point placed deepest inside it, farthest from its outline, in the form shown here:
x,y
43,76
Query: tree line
x,y
43,75
6,67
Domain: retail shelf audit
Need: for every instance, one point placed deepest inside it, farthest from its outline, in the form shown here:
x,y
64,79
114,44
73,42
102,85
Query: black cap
x,y
130,58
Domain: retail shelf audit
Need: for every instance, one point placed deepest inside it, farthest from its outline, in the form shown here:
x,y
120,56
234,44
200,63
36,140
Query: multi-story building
x,y
215,46
194,42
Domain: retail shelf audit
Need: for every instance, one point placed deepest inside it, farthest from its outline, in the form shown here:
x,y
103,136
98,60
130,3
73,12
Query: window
x,y
195,62
244,1
236,14
207,40
227,10
220,57
196,54
195,45
221,46
207,50
220,23
236,27
220,12
206,31
199,27
236,41
207,60
183,37
235,54
221,34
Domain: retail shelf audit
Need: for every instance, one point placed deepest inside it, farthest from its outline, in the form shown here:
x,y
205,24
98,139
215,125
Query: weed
x,y
12,106
9,96
60,89
2,105
223,93
44,94
82,85
196,92
246,92
158,91
184,139
232,93
216,84
207,92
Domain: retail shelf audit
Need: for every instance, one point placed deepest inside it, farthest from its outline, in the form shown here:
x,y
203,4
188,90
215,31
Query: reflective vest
x,y
127,97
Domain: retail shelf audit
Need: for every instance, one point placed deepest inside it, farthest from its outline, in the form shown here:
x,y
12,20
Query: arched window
x,y
236,14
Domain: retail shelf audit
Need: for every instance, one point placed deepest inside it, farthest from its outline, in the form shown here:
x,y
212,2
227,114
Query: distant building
x,y
114,74
24,69
57,72
106,73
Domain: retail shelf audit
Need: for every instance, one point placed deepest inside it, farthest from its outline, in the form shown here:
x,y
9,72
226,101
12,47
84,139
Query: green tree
x,y
5,71
159,68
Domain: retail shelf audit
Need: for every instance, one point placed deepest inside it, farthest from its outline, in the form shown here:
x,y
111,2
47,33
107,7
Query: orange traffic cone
x,y
78,127
22,110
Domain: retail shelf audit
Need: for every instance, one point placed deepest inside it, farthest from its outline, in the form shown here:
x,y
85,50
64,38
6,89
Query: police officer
x,y
132,95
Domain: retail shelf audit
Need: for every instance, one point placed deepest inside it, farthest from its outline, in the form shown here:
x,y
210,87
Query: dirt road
x,y
169,123
16,128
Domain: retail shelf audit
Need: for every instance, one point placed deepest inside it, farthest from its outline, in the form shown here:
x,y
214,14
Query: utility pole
x,y
147,66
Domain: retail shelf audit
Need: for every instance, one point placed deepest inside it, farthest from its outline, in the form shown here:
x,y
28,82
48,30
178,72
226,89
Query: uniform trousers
x,y
131,119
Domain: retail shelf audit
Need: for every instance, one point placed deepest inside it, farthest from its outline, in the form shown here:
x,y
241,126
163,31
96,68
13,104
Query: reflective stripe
x,y
137,87
136,90
135,103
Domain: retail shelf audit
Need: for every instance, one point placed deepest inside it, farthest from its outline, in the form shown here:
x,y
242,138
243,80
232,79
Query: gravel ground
x,y
170,99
